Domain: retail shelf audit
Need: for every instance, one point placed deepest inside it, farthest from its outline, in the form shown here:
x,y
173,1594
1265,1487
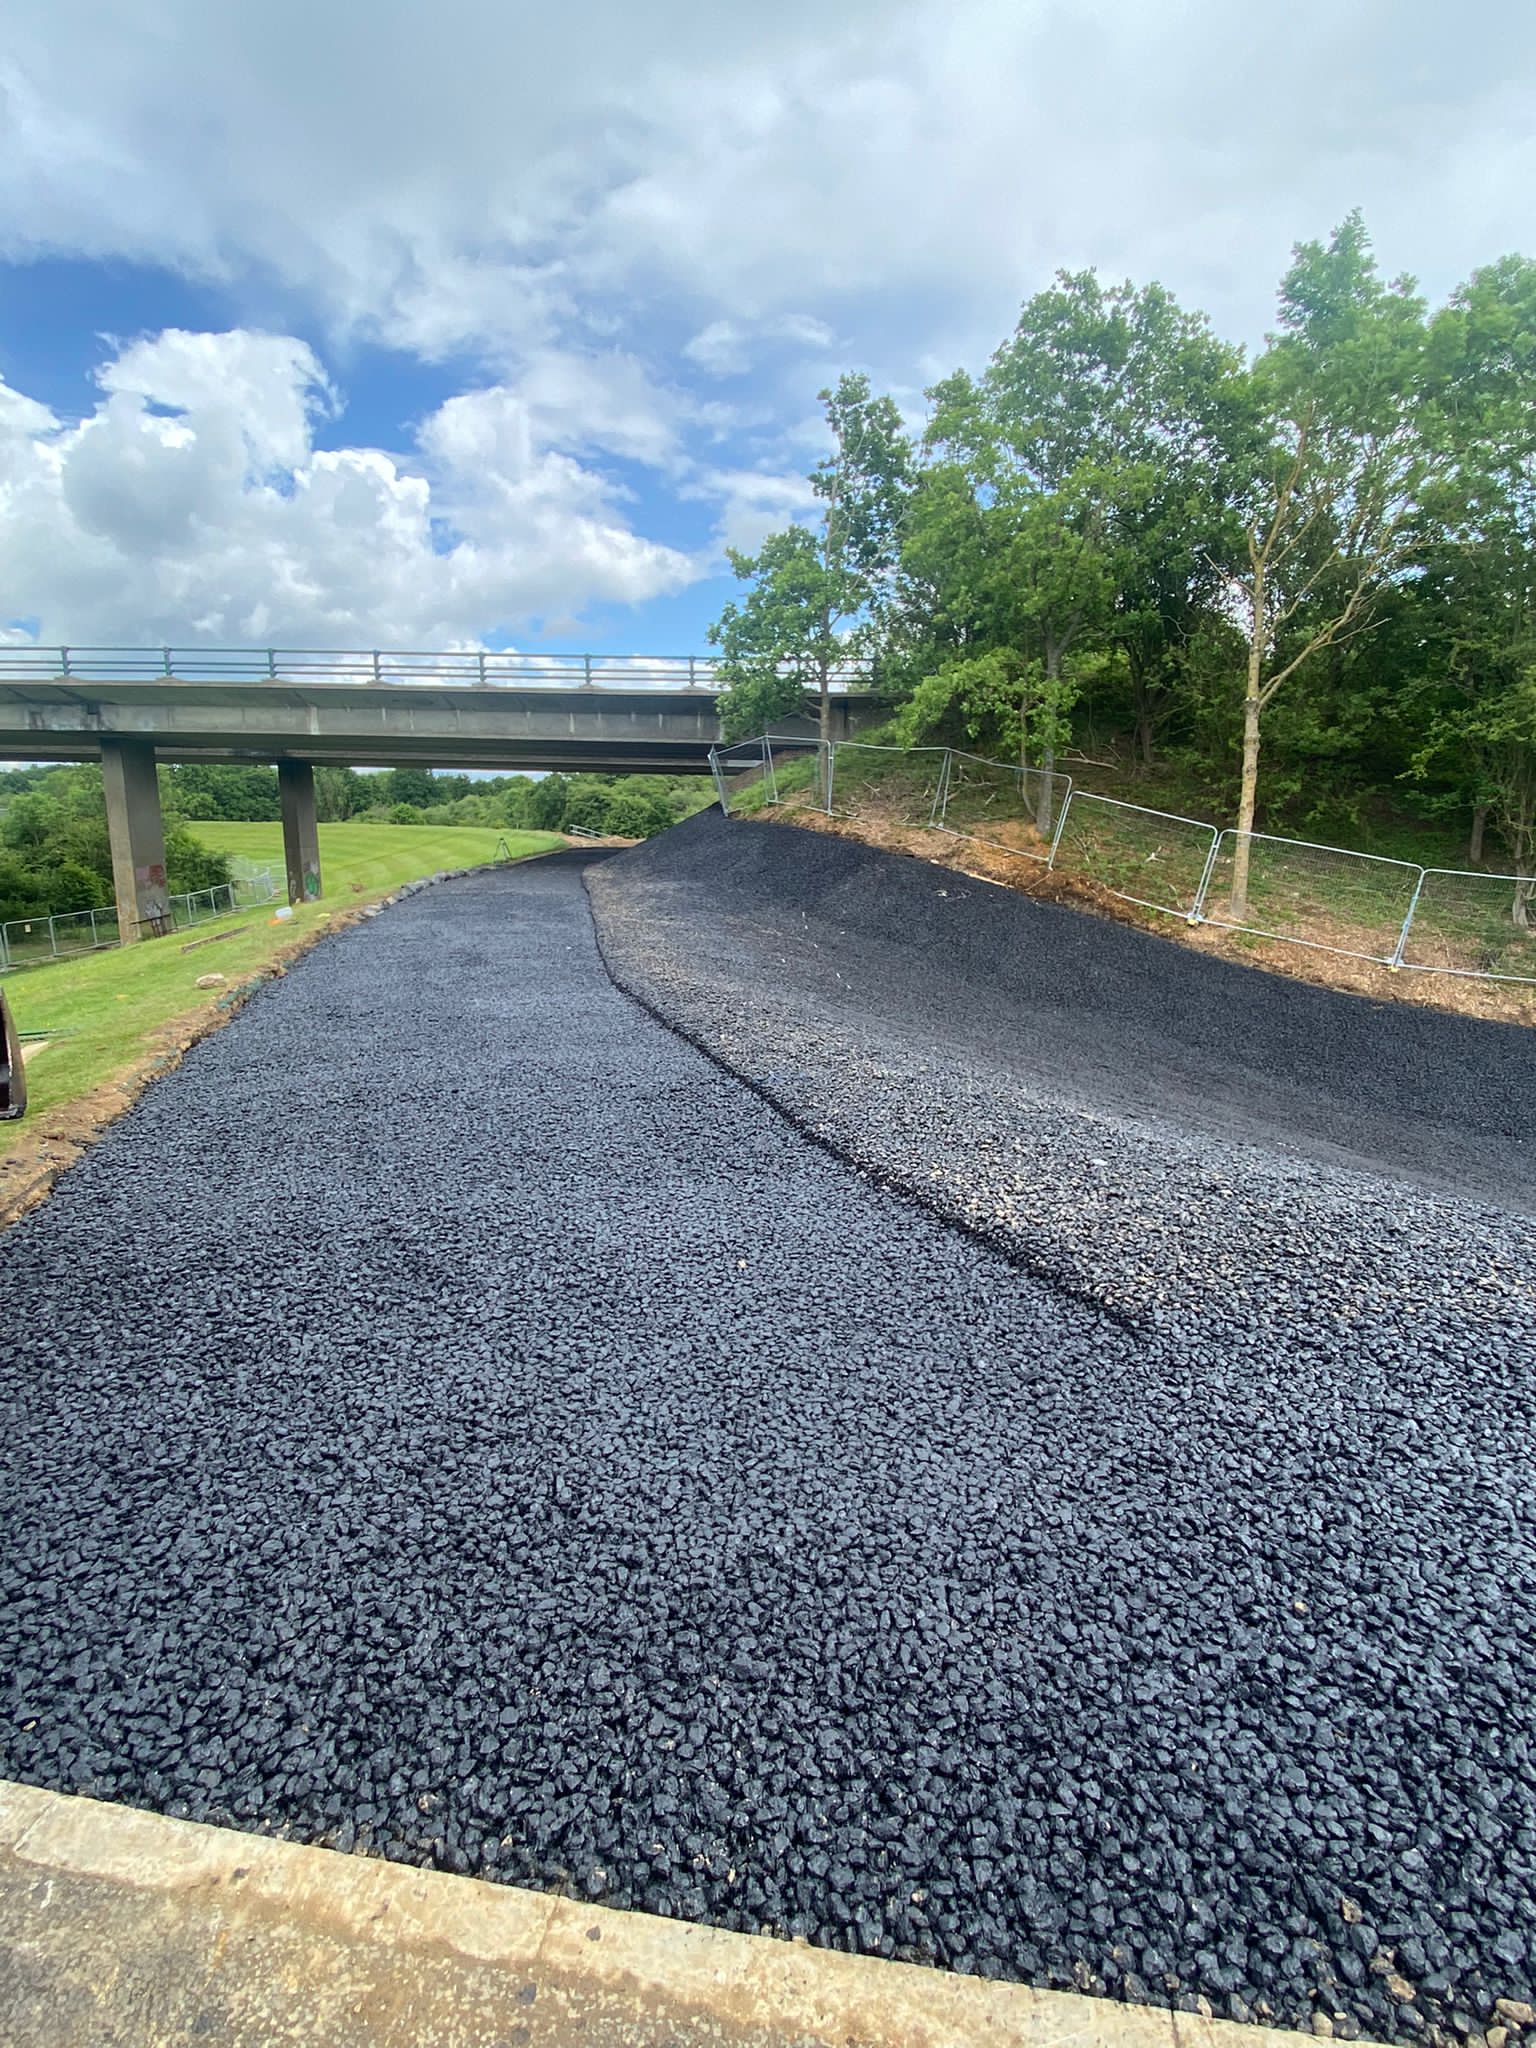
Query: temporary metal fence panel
x,y
1154,858
897,785
25,941
797,772
197,906
1362,906
1482,927
741,775
1003,804
28,941
1325,897
253,885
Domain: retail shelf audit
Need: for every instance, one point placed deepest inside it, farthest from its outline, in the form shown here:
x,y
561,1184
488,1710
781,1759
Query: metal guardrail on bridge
x,y
474,668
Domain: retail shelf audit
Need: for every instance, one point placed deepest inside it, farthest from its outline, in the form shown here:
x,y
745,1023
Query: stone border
x,y
171,1883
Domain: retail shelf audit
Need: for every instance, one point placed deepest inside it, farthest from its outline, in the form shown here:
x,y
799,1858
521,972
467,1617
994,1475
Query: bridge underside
x,y
131,725
499,757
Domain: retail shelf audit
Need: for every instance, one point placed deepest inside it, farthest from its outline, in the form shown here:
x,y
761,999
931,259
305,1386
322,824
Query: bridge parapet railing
x,y
1362,906
450,667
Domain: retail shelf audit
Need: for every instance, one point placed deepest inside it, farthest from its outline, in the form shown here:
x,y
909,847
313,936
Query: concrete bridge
x,y
132,707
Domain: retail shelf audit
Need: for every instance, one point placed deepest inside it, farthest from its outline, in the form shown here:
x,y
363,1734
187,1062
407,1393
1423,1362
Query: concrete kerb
x,y
281,1941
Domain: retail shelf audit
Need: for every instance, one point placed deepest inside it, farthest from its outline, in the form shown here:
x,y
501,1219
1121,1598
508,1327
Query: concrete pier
x,y
137,834
301,833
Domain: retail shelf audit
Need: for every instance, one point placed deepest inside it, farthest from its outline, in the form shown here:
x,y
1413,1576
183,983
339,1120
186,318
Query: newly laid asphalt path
x,y
453,1416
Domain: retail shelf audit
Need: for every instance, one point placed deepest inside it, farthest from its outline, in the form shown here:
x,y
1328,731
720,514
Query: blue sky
x,y
346,325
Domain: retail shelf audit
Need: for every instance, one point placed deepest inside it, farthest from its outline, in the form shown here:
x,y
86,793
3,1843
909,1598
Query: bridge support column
x,y
137,834
301,831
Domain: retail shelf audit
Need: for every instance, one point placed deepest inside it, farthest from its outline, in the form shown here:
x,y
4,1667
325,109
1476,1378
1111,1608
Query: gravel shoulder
x,y
450,1417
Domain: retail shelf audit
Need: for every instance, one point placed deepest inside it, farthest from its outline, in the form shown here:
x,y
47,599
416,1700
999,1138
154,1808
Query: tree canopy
x,y
1302,579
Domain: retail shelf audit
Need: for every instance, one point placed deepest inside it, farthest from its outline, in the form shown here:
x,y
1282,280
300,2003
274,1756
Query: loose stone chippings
x,y
451,1417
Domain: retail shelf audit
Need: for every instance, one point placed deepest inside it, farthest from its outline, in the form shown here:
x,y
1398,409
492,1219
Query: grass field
x,y
365,859
110,1011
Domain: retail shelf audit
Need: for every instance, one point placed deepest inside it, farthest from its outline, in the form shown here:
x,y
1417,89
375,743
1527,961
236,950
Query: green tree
x,y
1119,394
544,807
632,815
817,598
340,793
221,789
1476,600
1330,509
414,786
1040,571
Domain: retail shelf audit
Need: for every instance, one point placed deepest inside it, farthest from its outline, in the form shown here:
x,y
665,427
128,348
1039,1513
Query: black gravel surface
x,y
451,1417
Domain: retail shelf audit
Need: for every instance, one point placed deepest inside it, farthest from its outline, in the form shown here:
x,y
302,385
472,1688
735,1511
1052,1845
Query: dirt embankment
x,y
1501,1002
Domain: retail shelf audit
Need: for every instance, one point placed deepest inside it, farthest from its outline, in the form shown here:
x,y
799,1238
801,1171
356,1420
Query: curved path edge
x,y
127,1928
1008,1245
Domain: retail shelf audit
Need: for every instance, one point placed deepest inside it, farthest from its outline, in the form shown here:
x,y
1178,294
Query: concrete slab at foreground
x,y
121,1929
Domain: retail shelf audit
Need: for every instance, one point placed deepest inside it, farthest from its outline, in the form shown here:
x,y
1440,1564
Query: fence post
x,y
714,769
271,664
769,779
586,671
830,750
63,661
940,802
53,939
1402,938
377,677
482,667
1061,826
1197,908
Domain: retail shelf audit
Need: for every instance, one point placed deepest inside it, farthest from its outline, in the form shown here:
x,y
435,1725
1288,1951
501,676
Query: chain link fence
x,y
1361,906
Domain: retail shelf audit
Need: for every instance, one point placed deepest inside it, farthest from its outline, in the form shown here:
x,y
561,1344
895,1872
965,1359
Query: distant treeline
x,y
632,806
54,855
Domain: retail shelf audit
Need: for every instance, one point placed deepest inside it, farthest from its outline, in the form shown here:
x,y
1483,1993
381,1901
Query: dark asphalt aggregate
x,y
451,1417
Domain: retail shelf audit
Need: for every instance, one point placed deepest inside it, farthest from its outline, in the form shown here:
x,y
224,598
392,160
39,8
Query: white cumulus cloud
x,y
193,500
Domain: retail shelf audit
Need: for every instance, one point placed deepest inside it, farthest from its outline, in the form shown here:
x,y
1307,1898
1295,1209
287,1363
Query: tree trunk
x,y
824,736
1045,801
1144,751
1475,836
1522,830
1248,797
1141,703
